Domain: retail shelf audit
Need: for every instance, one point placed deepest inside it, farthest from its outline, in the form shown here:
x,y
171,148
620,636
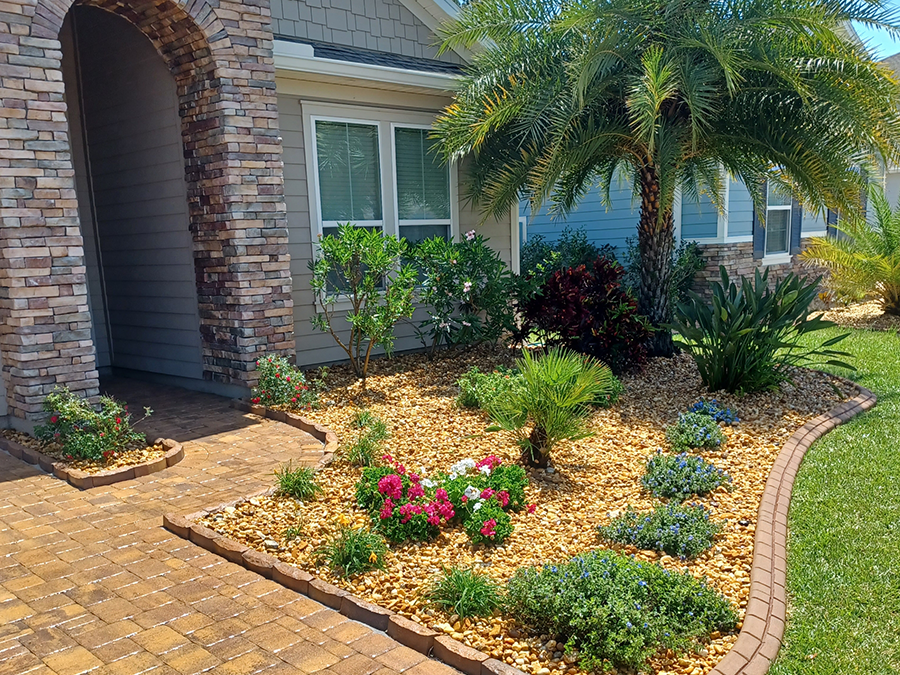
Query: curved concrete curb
x,y
322,433
84,480
760,637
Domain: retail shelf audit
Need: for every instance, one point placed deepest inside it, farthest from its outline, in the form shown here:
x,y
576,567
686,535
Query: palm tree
x,y
568,95
863,260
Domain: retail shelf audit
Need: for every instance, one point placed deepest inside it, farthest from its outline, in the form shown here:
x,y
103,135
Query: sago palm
x,y
863,261
568,95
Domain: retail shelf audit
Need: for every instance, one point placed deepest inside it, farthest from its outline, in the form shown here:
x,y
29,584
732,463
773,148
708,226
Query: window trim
x,y
777,254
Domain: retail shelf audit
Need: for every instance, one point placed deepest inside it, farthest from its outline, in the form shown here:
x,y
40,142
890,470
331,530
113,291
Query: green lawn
x,y
844,545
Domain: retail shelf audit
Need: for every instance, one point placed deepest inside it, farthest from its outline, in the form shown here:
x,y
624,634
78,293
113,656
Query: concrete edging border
x,y
84,480
319,431
758,642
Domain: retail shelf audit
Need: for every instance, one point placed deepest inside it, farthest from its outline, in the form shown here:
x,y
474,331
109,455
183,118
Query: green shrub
x,y
281,384
83,432
680,476
616,610
608,400
675,529
749,338
466,288
571,249
687,260
489,525
367,448
353,551
299,483
465,593
368,497
553,401
478,390
361,266
694,430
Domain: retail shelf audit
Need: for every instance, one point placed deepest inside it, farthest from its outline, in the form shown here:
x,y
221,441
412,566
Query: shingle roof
x,y
325,50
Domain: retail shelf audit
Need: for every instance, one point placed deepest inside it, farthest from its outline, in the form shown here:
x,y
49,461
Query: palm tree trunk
x,y
656,239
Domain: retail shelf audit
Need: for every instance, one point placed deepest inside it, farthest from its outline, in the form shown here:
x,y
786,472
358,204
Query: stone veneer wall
x,y
220,53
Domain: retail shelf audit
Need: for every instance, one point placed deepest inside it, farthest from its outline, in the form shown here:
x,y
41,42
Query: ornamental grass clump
x,y
282,385
615,610
674,529
478,390
680,476
365,450
353,551
299,483
552,403
694,431
81,431
465,593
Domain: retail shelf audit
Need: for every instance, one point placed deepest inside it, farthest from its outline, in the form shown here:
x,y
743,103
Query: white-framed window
x,y
377,168
778,220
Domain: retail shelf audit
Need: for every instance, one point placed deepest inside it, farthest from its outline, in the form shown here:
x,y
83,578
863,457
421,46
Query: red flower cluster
x,y
491,462
414,502
489,528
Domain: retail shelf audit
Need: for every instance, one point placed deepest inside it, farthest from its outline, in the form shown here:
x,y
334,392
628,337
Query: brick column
x,y
221,57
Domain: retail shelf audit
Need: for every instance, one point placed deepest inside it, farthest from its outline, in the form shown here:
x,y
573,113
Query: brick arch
x,y
220,54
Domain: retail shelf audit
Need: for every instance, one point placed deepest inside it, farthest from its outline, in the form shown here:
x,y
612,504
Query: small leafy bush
x,y
465,592
83,432
687,260
616,610
675,529
694,431
361,266
571,249
680,476
354,551
749,338
478,390
552,403
612,398
466,288
586,309
281,384
712,409
365,450
299,483
489,524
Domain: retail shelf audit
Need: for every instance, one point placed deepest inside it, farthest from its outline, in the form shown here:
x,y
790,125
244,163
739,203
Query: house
x,y
166,167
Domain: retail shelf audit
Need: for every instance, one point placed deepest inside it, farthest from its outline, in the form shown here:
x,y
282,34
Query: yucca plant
x,y
571,96
552,401
748,337
863,261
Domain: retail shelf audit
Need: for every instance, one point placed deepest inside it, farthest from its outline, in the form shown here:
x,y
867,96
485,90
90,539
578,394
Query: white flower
x,y
476,506
462,467
470,235
467,286
472,492
428,483
486,470
466,324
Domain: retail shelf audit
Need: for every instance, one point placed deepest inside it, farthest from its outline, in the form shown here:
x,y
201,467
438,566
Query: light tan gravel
x,y
866,315
593,478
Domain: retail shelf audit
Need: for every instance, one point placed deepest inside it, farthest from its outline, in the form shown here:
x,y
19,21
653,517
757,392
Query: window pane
x,y
349,171
777,224
418,233
423,183
777,196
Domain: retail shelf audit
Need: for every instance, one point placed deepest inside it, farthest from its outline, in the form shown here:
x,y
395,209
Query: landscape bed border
x,y
84,480
763,626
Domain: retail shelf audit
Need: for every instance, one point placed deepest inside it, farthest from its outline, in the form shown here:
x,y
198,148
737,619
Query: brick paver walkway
x,y
91,582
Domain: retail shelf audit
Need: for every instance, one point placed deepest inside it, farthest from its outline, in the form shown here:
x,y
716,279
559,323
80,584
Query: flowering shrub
x,y
694,430
478,390
680,476
281,384
712,409
489,523
675,529
466,288
82,432
615,610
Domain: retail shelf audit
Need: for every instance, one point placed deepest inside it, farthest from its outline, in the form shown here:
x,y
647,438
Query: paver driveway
x,y
91,582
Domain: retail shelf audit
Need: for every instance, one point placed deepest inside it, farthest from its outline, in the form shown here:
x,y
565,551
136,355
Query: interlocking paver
x,y
90,582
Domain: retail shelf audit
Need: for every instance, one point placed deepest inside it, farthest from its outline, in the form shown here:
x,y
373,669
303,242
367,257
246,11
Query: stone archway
x,y
226,88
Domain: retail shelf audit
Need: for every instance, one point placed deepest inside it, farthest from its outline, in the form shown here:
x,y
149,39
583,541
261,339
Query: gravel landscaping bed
x,y
590,481
865,315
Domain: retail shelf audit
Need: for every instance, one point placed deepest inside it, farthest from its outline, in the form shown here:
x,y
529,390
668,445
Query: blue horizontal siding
x,y
699,218
740,210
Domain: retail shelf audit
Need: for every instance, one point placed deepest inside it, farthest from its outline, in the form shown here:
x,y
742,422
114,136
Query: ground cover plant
x,y
282,385
684,531
478,390
616,610
679,477
694,431
560,507
81,431
465,592
750,337
714,410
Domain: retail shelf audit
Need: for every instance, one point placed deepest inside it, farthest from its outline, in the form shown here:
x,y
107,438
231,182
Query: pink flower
x,y
464,499
441,495
467,286
445,509
434,520
415,491
489,528
470,235
532,508
391,486
400,469
54,419
503,498
387,458
414,477
491,461
387,510
487,493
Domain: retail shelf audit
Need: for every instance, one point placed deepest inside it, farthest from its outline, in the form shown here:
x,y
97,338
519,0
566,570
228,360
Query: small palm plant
x,y
553,399
864,259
